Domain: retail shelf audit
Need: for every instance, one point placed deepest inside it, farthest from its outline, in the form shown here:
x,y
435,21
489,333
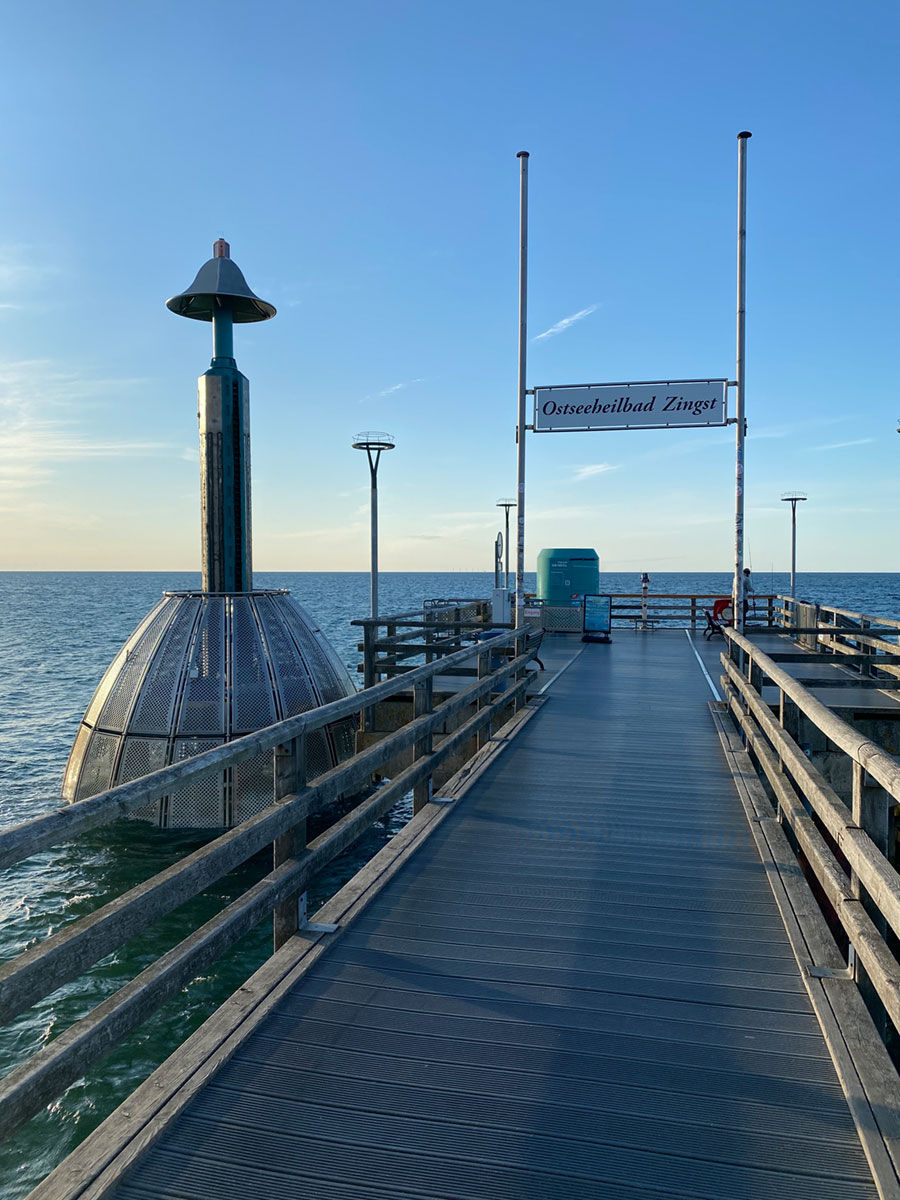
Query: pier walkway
x,y
579,986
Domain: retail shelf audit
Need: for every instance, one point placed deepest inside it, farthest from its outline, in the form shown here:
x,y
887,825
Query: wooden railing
x,y
835,792
689,608
500,683
438,629
675,610
868,643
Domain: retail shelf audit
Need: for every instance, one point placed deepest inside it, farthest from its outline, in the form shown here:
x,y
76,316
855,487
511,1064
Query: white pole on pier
x,y
374,444
740,427
794,498
520,425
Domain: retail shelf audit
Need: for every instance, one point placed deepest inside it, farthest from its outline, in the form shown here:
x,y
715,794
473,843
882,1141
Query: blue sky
x,y
361,160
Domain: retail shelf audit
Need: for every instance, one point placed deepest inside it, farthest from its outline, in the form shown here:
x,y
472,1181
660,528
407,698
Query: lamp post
x,y
373,443
793,498
506,504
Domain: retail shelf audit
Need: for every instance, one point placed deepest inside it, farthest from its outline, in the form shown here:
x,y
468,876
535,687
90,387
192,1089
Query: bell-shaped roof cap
x,y
220,281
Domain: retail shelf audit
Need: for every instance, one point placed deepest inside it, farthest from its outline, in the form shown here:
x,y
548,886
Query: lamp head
x,y
219,284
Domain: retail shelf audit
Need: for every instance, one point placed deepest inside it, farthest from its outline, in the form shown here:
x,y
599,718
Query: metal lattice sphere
x,y
202,669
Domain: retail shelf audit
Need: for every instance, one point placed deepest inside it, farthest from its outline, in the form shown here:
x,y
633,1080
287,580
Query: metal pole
x,y
506,549
373,443
520,426
373,582
793,498
739,378
223,332
793,549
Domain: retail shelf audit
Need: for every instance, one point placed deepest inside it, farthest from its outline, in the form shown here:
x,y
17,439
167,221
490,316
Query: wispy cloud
x,y
841,445
37,429
563,511
19,268
389,391
592,469
564,324
771,431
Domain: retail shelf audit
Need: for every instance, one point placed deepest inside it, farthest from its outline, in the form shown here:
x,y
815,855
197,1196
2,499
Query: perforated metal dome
x,y
202,669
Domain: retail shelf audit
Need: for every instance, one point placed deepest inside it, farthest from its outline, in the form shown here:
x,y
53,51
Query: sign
x,y
597,614
669,404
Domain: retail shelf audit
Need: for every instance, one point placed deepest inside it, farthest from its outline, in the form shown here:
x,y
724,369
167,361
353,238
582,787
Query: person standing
x,y
749,593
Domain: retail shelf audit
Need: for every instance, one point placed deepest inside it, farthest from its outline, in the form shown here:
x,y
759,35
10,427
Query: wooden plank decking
x,y
579,987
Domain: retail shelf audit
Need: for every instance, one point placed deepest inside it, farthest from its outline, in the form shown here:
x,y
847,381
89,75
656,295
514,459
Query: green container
x,y
564,577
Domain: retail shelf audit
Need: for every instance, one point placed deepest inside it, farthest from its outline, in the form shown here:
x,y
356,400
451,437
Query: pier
x,y
638,938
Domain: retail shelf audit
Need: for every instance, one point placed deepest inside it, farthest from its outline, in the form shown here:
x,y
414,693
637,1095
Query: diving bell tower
x,y
220,294
209,666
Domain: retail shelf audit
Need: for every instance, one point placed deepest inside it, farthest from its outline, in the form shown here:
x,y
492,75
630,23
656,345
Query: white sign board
x,y
669,404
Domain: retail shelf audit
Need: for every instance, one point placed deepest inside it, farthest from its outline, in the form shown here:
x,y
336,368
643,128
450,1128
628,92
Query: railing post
x,y
429,634
520,637
290,778
865,667
484,669
423,705
755,675
370,636
370,678
872,810
693,613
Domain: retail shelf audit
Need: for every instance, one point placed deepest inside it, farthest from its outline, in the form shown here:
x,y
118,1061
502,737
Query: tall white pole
x,y
520,425
506,549
793,549
373,571
374,443
739,379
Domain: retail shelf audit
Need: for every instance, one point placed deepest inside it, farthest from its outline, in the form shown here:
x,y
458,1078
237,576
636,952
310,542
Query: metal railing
x,y
835,792
66,955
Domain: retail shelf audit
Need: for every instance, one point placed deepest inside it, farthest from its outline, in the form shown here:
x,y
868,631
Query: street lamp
x,y
373,443
506,504
793,498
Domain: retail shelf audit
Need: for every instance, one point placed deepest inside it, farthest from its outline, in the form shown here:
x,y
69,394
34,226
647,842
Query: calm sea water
x,y
58,633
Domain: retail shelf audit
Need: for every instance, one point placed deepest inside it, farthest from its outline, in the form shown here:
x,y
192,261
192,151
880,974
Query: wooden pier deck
x,y
579,986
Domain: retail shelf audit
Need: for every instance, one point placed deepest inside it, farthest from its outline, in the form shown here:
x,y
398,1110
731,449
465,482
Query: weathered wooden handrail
x,y
66,955
861,931
855,616
440,607
872,758
871,894
443,623
833,621
63,956
30,837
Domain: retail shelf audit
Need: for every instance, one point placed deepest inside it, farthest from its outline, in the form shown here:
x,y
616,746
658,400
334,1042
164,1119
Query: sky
x,y
360,158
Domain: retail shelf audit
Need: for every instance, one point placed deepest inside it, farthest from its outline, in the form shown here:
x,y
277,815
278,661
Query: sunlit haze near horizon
x,y
361,160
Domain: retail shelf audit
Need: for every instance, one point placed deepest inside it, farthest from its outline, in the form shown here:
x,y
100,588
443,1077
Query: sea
x,y
58,633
